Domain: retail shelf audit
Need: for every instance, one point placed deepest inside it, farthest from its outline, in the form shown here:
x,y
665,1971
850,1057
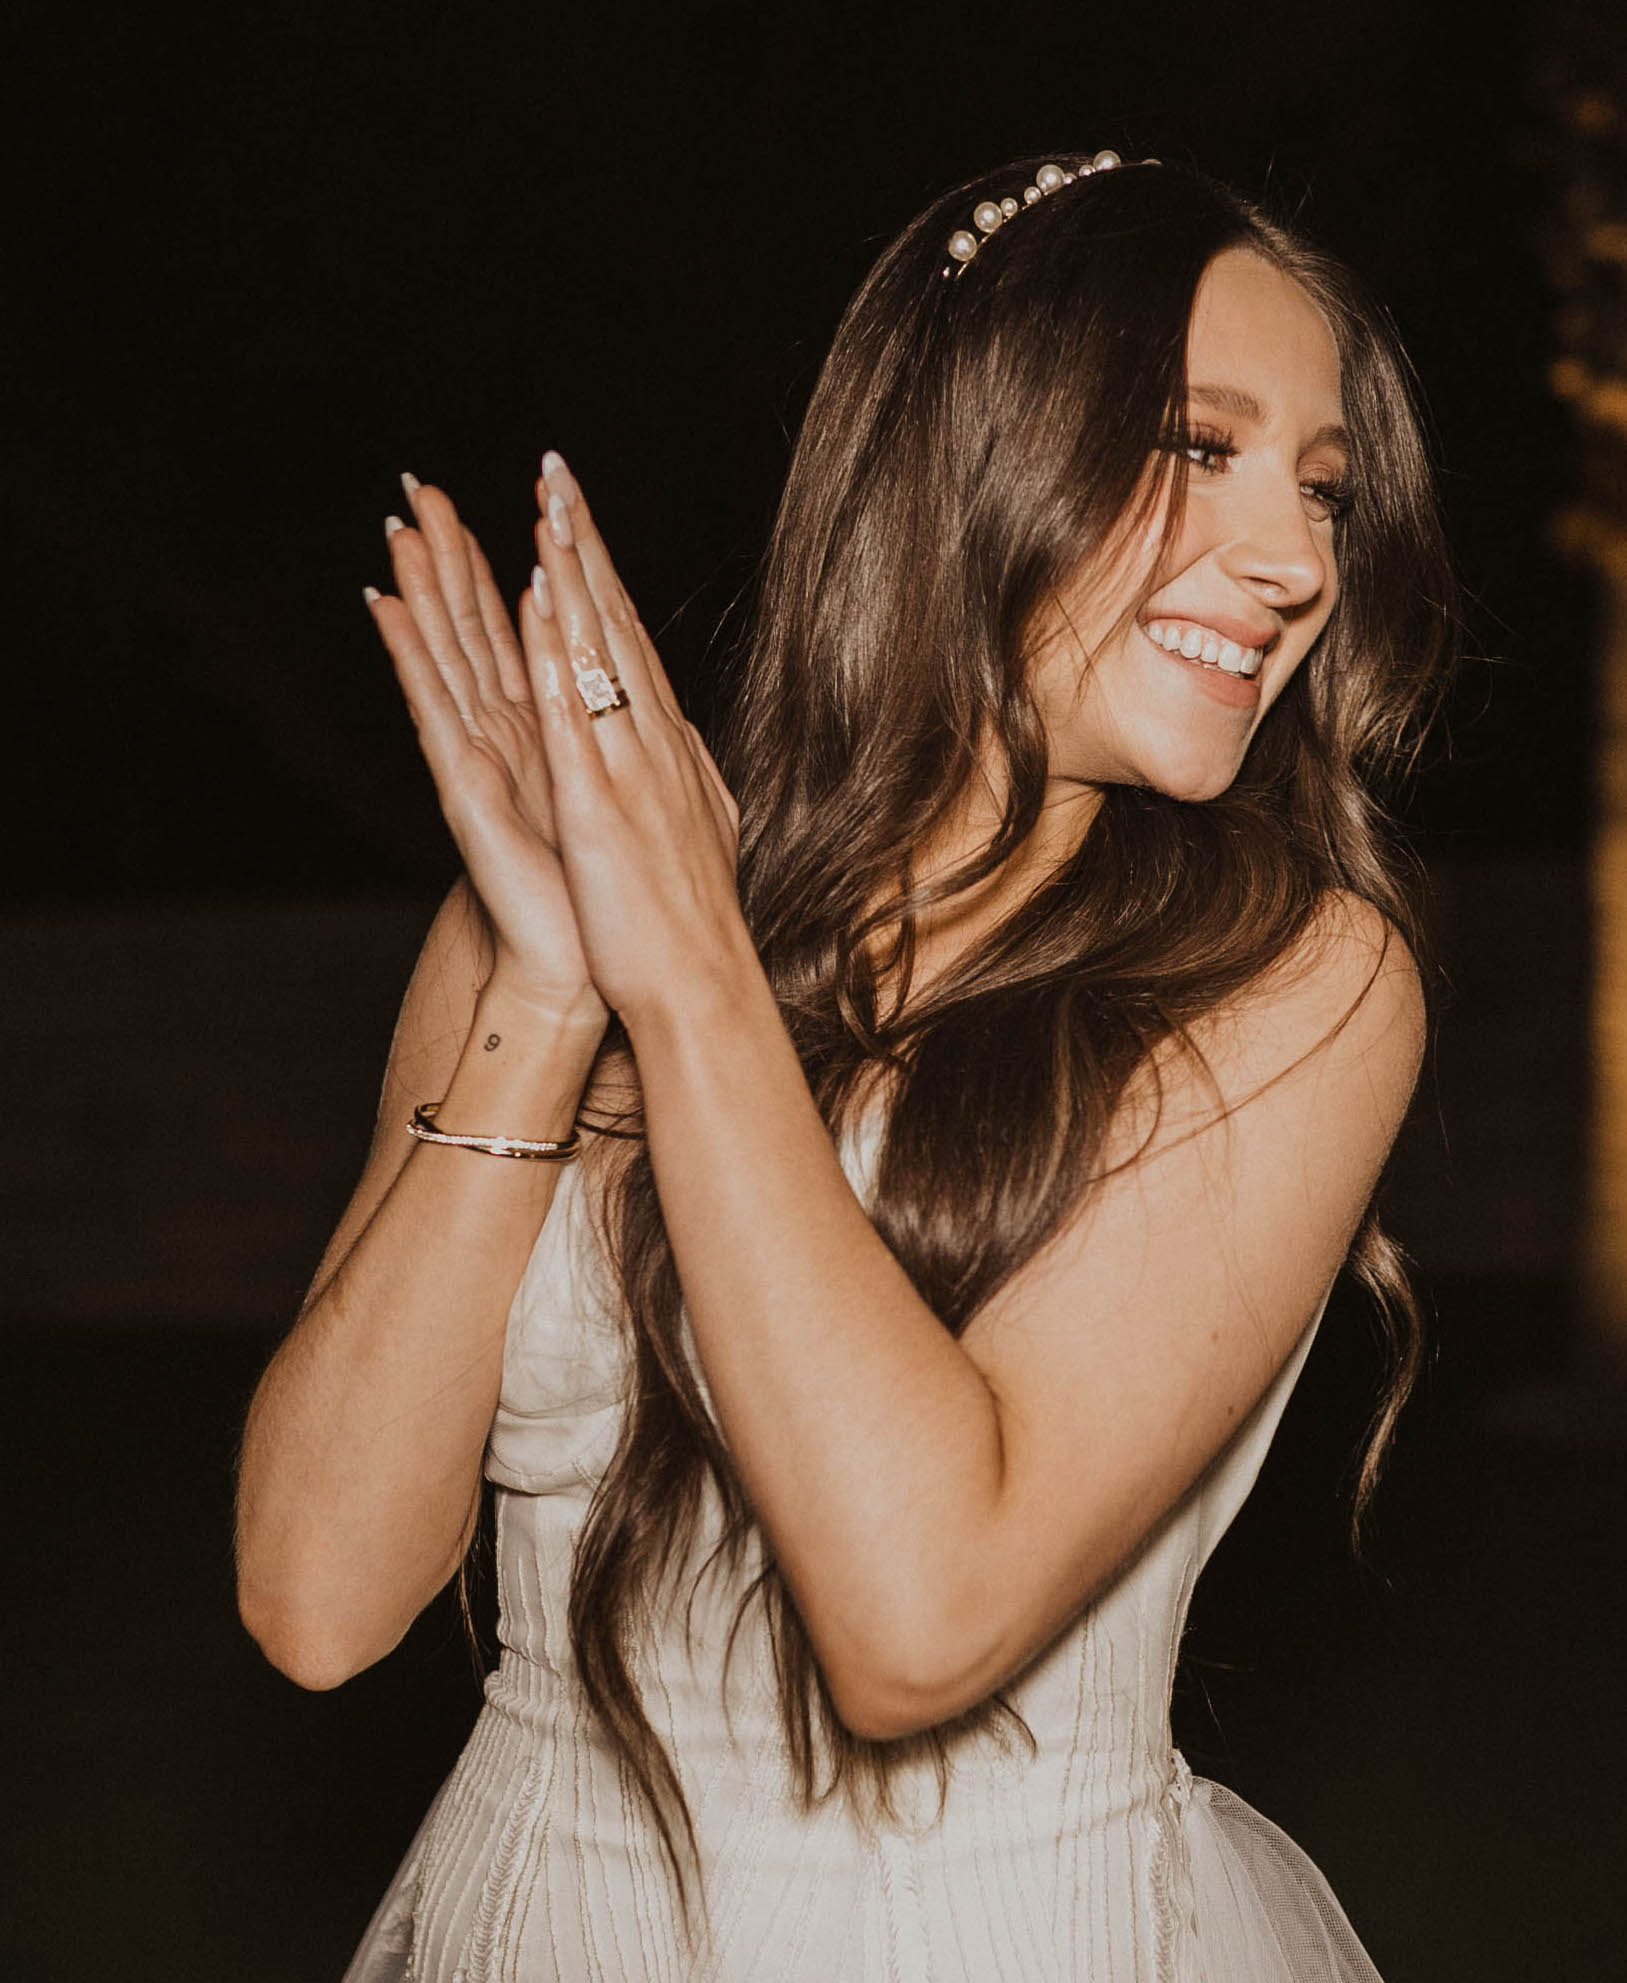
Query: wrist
x,y
507,1006
523,1066
722,991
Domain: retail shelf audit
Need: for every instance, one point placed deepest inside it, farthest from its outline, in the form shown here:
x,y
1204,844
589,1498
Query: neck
x,y
946,930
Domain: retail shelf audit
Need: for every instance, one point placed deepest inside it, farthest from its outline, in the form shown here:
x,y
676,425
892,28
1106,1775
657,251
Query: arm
x,y
941,1508
359,1476
359,1473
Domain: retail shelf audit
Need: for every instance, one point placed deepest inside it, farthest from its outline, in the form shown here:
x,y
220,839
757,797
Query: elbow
x,y
878,1708
316,1676
307,1658
888,1697
882,1718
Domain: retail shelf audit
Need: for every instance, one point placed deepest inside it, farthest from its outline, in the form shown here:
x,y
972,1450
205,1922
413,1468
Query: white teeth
x,y
1201,645
1205,647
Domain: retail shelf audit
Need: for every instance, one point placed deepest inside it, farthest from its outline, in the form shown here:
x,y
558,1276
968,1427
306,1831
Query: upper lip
x,y
1243,632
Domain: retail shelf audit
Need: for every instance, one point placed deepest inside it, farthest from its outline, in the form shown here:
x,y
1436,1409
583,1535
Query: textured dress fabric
x,y
1097,1857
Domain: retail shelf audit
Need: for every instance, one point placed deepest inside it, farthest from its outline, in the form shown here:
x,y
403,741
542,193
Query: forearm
x,y
360,1469
866,1438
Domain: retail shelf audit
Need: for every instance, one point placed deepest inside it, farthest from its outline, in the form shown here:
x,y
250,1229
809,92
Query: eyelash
x,y
1333,493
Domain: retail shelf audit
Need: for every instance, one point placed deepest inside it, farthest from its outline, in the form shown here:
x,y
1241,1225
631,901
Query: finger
x,y
419,586
442,531
717,791
561,504
604,580
577,770
499,627
443,733
713,798
594,663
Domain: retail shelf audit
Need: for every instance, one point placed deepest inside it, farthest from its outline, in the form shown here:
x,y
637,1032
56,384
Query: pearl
x,y
987,215
1031,194
1008,206
1068,178
962,245
1048,178
1104,161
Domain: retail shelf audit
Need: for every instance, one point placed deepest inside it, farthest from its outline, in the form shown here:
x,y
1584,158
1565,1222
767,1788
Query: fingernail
x,y
541,593
392,524
559,478
559,522
371,594
412,485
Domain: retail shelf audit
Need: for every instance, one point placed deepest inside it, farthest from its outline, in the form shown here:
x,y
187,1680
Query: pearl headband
x,y
988,215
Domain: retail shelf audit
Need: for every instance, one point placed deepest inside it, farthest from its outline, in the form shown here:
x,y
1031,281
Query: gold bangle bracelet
x,y
540,1151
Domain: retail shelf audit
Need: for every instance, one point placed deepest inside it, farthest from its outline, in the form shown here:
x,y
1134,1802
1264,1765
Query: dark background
x,y
265,258
276,254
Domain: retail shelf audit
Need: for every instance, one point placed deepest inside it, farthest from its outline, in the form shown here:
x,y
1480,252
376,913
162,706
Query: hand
x,y
648,832
475,710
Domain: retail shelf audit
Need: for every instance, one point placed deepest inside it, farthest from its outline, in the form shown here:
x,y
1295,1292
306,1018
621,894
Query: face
x,y
1168,692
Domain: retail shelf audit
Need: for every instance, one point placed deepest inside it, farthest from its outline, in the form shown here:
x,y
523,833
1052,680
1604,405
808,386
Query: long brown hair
x,y
969,441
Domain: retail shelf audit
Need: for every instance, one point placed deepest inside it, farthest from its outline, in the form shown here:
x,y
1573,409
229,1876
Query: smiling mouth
x,y
1195,642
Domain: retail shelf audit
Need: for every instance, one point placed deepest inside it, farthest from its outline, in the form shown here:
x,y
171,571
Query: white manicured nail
x,y
392,524
541,593
559,522
371,594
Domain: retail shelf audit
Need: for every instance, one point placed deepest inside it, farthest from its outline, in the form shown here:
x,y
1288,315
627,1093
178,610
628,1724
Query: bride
x,y
978,1084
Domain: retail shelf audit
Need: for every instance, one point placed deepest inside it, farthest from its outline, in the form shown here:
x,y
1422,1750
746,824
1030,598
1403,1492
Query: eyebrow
x,y
1243,405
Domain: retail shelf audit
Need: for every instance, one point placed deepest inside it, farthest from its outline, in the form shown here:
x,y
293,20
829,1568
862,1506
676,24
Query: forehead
x,y
1254,328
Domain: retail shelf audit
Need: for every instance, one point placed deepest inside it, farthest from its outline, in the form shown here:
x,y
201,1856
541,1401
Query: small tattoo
x,y
493,1040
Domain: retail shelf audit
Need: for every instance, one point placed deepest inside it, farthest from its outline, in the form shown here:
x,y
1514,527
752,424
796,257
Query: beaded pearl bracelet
x,y
543,1151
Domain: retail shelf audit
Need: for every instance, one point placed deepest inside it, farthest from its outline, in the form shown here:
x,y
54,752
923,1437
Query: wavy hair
x,y
968,444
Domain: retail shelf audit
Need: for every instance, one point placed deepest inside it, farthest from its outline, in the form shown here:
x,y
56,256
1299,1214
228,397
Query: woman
x,y
980,1141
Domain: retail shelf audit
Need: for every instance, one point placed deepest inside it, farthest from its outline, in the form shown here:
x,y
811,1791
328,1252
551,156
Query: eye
x,y
1328,498
1207,450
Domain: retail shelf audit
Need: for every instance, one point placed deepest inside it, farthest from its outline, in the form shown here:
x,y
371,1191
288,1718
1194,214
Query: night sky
x,y
265,257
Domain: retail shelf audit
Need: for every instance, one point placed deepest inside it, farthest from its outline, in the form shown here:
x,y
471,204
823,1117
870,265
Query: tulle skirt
x,y
1261,1911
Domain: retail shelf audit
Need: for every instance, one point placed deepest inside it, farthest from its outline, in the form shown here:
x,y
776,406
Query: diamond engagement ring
x,y
602,693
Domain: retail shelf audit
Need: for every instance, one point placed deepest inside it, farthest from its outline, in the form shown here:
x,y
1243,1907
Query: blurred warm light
x,y
1606,1262
1583,85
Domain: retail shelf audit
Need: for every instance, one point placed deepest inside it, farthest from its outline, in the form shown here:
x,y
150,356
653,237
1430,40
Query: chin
x,y
1181,769
1194,782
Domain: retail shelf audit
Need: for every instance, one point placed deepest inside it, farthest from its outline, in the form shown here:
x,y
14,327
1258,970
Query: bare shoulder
x,y
1351,946
1347,992
1350,986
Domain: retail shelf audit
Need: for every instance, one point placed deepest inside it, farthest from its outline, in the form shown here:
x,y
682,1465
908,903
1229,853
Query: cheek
x,y
1191,540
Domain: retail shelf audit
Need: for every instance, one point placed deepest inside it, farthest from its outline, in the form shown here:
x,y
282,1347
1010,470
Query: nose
x,y
1275,550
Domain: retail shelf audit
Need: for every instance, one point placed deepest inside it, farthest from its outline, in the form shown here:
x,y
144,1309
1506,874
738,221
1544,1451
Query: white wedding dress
x,y
1102,1859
